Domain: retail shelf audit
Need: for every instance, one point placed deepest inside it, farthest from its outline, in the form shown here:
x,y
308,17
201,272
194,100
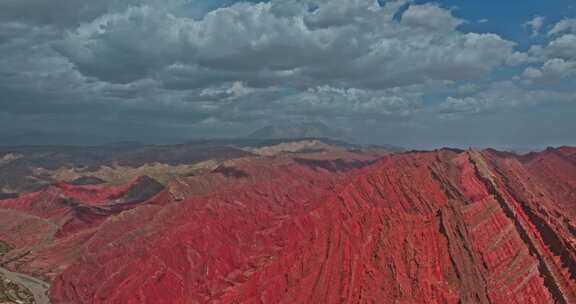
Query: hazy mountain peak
x,y
305,130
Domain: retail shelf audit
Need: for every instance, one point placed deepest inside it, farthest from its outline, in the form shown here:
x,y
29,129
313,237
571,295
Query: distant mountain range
x,y
29,168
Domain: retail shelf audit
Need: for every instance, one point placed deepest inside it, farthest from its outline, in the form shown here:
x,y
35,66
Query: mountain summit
x,y
306,130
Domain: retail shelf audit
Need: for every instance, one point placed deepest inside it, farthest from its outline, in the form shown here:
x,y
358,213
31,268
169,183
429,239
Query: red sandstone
x,y
423,227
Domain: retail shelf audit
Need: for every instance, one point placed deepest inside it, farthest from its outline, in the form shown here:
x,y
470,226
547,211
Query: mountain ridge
x,y
443,226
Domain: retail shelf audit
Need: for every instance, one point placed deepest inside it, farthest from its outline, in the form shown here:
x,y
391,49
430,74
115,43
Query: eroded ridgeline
x,y
555,263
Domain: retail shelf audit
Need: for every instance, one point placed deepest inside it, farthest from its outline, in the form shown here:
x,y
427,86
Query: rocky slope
x,y
445,226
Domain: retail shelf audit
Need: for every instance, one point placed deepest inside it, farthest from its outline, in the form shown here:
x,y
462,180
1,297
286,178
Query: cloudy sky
x,y
415,73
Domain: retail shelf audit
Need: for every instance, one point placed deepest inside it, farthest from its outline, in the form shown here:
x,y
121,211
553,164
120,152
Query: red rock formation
x,y
424,227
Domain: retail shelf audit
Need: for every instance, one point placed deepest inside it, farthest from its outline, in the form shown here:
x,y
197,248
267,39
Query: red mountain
x,y
446,226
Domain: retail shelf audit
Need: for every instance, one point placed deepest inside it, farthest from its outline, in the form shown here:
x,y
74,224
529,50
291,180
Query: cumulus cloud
x,y
551,71
501,96
284,59
327,101
340,43
180,63
430,16
564,26
555,60
563,47
535,24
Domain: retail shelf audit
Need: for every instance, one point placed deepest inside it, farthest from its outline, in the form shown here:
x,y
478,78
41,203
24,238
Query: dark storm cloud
x,y
53,12
72,13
